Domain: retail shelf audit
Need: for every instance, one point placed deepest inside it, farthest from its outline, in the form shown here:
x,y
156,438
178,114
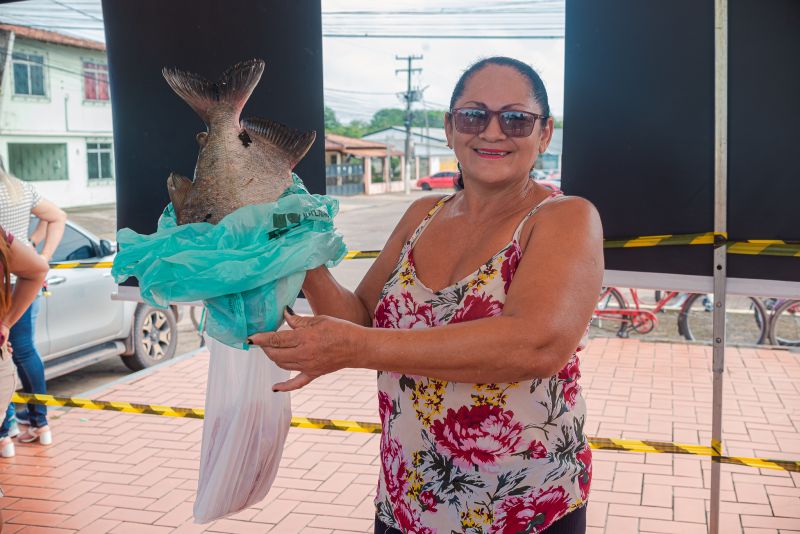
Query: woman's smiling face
x,y
492,157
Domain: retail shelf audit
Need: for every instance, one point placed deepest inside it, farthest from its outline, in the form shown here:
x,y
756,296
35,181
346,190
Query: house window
x,y
28,74
99,155
95,81
35,162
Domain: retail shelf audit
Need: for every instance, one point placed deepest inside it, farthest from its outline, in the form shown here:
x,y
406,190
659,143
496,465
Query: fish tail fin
x,y
233,89
294,143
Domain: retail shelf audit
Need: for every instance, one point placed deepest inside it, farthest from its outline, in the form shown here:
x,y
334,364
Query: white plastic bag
x,y
244,431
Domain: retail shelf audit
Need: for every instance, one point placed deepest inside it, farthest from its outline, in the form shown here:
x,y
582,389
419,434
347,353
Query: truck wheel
x,y
155,337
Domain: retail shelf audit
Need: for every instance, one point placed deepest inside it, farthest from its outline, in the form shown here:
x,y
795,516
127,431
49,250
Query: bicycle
x,y
197,314
747,325
784,324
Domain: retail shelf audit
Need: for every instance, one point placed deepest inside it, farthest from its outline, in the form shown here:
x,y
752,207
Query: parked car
x,y
440,180
79,324
553,185
542,174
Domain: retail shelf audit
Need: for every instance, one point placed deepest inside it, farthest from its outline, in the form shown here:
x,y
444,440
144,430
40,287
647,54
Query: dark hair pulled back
x,y
537,87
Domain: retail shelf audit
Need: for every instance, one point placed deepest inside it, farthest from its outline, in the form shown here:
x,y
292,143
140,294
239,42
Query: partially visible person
x,y
30,270
18,201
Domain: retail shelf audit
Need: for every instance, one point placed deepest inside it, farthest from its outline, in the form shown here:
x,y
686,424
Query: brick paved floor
x,y
123,473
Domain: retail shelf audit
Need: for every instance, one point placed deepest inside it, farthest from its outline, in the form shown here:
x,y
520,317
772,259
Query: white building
x,y
55,115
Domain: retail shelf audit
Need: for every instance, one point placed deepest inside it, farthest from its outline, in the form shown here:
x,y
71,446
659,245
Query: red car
x,y
552,185
440,180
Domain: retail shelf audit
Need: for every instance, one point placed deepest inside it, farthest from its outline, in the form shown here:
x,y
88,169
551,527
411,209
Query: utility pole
x,y
410,97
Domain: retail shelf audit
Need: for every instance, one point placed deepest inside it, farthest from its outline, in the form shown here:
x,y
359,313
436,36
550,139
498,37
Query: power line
x,y
72,8
438,105
356,92
50,66
398,36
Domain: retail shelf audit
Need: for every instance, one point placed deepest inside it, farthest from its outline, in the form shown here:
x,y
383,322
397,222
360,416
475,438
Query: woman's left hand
x,y
314,346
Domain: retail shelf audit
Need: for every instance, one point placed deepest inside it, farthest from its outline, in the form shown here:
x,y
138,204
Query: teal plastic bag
x,y
246,269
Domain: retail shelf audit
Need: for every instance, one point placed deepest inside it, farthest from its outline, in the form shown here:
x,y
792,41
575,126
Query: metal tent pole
x,y
720,230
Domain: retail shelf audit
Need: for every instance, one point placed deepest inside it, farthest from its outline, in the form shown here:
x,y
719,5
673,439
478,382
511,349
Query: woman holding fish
x,y
477,360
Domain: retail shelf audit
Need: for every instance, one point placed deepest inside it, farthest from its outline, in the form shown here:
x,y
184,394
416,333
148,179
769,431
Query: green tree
x,y
384,118
355,128
435,118
331,122
387,117
381,119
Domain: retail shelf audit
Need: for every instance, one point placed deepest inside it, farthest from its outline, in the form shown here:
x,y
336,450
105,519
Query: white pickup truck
x,y
79,324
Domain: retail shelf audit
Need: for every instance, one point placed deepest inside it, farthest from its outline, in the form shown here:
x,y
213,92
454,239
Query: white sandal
x,y
7,449
33,433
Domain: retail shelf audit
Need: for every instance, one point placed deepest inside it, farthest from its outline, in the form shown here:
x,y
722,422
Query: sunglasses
x,y
512,123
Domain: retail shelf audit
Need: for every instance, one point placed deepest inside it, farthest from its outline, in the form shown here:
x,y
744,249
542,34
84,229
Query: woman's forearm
x,y
327,297
492,350
25,290
53,235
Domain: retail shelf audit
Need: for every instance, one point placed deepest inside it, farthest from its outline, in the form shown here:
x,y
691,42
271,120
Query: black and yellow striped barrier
x,y
609,444
660,240
765,247
82,265
362,254
751,247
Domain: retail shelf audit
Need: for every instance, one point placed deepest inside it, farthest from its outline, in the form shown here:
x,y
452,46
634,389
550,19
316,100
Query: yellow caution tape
x,y
752,247
610,444
91,404
764,247
361,254
660,240
82,265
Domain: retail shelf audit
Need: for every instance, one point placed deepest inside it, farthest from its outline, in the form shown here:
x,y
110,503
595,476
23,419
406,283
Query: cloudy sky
x,y
356,65
359,72
368,64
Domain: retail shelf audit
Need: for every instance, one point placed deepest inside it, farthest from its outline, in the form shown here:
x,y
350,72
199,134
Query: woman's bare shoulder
x,y
416,212
570,206
564,214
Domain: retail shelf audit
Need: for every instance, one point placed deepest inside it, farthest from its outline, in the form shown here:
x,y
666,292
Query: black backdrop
x,y
154,130
639,109
639,134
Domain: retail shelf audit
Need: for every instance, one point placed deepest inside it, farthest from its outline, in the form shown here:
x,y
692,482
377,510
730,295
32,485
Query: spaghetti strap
x,y
550,197
427,220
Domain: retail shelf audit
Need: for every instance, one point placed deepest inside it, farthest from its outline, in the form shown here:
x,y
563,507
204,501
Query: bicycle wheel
x,y
745,320
784,328
605,321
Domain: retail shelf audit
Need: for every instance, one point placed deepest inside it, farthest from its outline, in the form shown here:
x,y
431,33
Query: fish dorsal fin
x,y
233,89
295,143
178,187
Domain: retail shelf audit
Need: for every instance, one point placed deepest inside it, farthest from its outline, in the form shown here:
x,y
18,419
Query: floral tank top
x,y
475,458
